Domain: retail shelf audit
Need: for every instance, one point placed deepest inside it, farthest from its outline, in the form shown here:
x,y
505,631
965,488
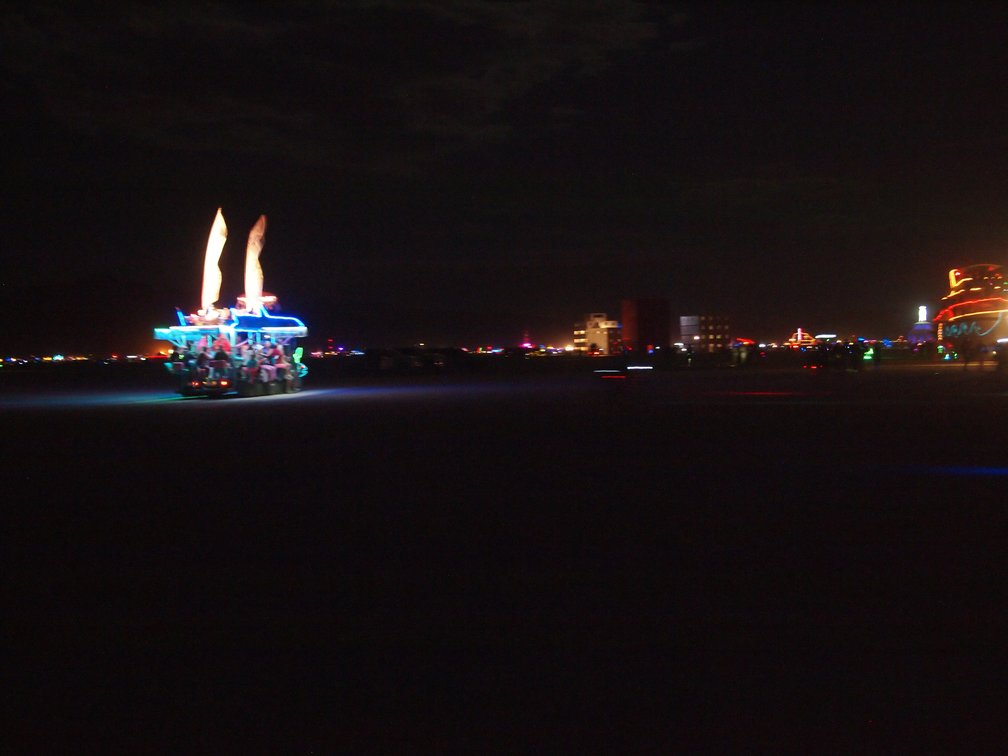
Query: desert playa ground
x,y
681,560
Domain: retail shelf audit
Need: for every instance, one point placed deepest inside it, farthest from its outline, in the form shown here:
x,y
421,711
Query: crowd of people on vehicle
x,y
250,362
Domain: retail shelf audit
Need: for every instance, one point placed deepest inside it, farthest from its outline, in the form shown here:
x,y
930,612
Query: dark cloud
x,y
344,84
538,159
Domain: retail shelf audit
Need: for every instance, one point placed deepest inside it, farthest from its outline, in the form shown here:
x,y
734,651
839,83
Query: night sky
x,y
456,172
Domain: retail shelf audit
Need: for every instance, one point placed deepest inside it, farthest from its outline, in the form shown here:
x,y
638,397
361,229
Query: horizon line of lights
x,y
57,358
52,358
483,350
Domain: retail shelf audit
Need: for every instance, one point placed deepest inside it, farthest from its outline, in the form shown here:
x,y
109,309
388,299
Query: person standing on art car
x,y
190,367
221,348
220,360
280,363
267,347
250,365
203,362
266,368
177,363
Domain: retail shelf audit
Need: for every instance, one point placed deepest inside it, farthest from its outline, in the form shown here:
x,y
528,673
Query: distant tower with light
x,y
923,330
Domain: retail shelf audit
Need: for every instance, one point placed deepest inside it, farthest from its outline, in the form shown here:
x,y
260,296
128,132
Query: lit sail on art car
x,y
242,349
976,307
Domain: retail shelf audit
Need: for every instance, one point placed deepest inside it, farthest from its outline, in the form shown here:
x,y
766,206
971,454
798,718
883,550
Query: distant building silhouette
x,y
647,324
597,335
705,333
580,343
602,336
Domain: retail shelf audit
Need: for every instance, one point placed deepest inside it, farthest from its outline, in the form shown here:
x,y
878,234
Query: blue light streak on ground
x,y
950,471
79,400
965,471
27,401
430,391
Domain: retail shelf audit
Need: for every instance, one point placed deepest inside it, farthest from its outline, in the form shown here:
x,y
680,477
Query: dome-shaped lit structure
x,y
976,306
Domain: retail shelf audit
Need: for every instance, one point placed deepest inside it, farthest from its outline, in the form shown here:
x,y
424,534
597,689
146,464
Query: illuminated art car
x,y
243,349
976,307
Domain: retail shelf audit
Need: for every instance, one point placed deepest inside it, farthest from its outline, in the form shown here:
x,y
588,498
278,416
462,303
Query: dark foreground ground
x,y
684,561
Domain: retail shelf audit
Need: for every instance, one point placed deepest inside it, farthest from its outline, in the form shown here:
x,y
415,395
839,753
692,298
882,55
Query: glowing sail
x,y
211,267
253,270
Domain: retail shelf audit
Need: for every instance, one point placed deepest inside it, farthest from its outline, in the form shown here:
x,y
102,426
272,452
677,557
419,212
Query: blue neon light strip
x,y
276,325
995,325
266,322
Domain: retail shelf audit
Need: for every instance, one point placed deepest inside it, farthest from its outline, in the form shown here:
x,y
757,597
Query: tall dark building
x,y
647,324
705,333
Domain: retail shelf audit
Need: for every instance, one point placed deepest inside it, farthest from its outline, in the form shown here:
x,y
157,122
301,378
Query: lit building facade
x,y
647,325
602,336
580,344
705,333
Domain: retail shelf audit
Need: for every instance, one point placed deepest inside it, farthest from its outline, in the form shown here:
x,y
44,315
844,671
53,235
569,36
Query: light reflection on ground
x,y
651,394
85,399
963,471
